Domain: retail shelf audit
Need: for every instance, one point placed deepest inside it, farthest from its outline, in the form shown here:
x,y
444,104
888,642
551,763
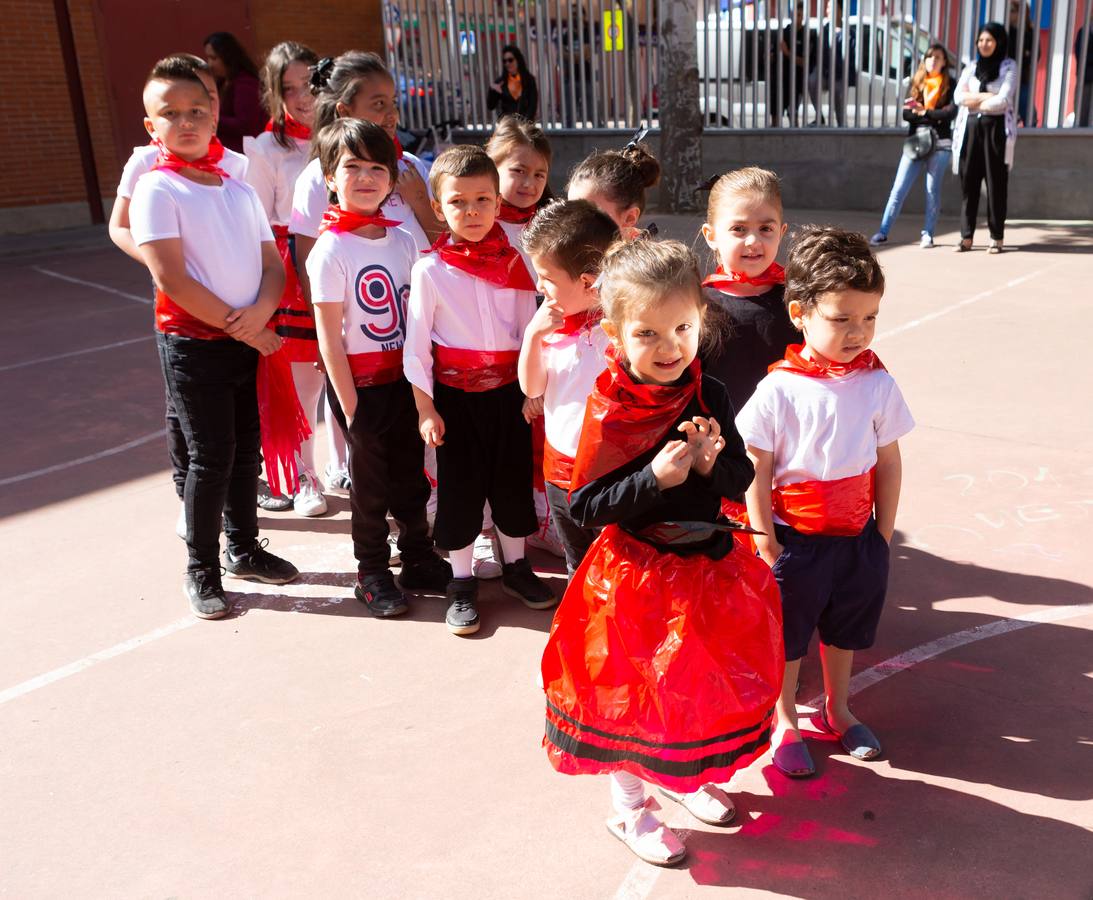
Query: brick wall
x,y
328,27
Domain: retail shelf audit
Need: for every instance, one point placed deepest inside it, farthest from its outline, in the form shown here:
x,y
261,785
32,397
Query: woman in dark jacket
x,y
241,112
929,105
514,90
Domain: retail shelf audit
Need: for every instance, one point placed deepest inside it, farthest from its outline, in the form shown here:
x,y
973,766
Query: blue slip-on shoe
x,y
793,760
858,740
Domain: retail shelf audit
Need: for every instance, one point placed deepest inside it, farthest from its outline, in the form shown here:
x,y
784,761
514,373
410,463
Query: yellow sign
x,y
613,31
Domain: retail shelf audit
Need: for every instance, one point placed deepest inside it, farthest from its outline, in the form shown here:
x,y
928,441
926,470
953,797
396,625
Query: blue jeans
x,y
906,175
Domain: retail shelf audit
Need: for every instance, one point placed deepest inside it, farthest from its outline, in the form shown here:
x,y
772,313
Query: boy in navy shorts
x,y
822,430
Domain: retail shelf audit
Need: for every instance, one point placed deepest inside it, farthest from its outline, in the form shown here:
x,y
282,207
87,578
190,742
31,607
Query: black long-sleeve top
x,y
750,333
940,118
630,498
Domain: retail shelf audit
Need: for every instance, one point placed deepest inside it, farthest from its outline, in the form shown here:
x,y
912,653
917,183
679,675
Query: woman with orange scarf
x,y
929,113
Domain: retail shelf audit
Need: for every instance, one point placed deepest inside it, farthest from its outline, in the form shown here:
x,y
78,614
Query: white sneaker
x,y
309,500
927,242
180,525
338,480
392,547
546,539
649,838
486,563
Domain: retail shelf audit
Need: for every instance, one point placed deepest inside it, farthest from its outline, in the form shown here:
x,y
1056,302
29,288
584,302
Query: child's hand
x,y
705,440
431,427
411,187
547,319
672,465
533,408
769,548
244,324
266,342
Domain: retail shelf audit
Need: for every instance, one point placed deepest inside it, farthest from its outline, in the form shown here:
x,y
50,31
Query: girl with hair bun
x,y
616,182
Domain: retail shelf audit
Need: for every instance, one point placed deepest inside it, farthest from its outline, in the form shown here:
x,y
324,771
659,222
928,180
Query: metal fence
x,y
762,64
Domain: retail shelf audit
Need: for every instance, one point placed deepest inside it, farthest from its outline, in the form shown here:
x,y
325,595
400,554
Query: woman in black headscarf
x,y
985,134
514,90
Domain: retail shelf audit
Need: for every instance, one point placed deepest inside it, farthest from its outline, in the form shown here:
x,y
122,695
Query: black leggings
x,y
984,156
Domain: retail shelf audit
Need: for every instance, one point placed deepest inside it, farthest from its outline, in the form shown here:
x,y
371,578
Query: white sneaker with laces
x,y
546,539
649,838
486,563
338,480
927,242
309,500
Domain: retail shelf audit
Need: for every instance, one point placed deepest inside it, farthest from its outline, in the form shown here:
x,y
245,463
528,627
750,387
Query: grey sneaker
x,y
257,564
462,615
202,588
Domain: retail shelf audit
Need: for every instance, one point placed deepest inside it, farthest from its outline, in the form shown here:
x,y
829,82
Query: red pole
x,y
79,111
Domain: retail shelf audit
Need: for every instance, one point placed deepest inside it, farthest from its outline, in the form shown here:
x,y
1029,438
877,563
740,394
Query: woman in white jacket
x,y
985,134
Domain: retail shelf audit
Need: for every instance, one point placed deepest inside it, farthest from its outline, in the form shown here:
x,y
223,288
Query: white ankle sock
x,y
627,792
511,548
462,560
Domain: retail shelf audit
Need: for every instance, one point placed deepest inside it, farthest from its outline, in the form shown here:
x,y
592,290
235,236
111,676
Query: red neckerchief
x,y
293,128
773,274
797,364
517,215
208,163
398,148
337,219
492,259
587,318
624,418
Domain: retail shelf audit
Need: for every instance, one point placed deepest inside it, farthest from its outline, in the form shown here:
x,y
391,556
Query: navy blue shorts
x,y
832,584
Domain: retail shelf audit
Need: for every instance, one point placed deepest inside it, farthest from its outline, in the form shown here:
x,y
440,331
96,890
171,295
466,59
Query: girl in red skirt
x,y
665,656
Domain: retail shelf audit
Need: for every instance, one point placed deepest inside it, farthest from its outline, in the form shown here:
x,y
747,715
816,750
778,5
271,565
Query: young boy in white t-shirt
x,y
359,271
822,430
205,239
564,346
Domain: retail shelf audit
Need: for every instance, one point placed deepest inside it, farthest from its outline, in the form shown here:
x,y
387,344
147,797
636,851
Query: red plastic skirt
x,y
663,666
294,319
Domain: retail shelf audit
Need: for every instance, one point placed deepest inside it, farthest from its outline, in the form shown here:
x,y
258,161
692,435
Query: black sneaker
x,y
202,588
268,502
381,596
429,575
259,565
462,616
517,580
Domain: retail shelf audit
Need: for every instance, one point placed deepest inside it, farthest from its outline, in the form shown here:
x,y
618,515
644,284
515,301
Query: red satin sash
x,y
624,418
493,259
337,219
474,370
381,367
166,159
773,274
840,507
796,363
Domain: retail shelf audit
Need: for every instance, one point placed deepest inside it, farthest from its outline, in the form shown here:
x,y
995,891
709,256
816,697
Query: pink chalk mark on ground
x,y
805,831
761,825
837,836
969,667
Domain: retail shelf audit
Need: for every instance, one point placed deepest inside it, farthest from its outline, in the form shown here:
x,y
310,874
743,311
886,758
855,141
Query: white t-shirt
x,y
573,362
824,429
272,171
371,279
311,198
514,231
454,309
143,158
222,228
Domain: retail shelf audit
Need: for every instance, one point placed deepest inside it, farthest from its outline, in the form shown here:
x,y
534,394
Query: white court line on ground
x,y
147,301
642,877
87,662
944,311
43,359
102,454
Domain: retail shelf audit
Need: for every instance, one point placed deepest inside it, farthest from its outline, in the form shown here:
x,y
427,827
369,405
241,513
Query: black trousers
x,y
984,156
576,539
387,466
212,387
486,455
176,448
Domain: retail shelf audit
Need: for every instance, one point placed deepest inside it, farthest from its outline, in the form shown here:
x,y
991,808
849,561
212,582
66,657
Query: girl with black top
x,y
929,105
985,134
514,90
241,112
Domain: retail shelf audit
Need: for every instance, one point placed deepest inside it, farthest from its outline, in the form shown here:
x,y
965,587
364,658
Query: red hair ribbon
x,y
492,259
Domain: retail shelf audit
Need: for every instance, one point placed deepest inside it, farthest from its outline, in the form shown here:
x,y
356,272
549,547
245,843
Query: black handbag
x,y
920,143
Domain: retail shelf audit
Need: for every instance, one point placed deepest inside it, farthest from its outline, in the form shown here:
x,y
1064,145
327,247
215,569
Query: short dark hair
x,y
365,140
178,67
463,161
825,258
573,234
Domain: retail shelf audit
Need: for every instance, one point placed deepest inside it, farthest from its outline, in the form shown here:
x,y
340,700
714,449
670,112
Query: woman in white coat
x,y
985,134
